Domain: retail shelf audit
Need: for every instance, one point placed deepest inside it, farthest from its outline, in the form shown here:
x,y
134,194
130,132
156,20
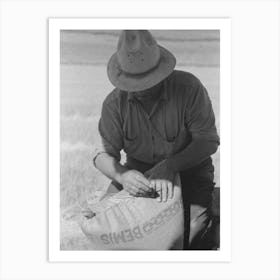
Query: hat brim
x,y
140,82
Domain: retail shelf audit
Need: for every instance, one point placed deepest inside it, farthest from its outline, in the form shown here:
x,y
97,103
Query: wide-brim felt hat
x,y
139,63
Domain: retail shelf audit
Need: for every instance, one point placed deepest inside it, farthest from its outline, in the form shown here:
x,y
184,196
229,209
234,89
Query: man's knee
x,y
199,220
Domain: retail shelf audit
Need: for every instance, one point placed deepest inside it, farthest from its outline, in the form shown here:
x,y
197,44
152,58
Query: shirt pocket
x,y
131,138
130,145
136,149
173,133
179,141
130,129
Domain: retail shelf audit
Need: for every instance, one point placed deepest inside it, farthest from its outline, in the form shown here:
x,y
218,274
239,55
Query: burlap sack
x,y
125,222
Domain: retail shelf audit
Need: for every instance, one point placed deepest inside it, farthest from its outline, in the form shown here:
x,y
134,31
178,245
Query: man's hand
x,y
135,183
161,180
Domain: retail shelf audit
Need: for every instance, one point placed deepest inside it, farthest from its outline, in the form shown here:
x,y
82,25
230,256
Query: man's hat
x,y
139,63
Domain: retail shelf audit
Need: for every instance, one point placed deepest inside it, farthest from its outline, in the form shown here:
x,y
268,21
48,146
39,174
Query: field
x,y
84,85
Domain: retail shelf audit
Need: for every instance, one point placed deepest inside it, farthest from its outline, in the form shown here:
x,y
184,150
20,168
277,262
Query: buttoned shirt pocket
x,y
136,148
130,145
134,135
130,137
177,143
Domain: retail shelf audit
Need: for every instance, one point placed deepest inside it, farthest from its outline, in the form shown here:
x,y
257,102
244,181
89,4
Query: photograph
x,y
136,138
130,144
139,107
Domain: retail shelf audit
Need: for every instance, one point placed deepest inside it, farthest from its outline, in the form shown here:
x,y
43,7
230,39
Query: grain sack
x,y
125,222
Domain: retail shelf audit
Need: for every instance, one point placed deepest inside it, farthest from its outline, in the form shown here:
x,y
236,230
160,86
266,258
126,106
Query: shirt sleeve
x,y
110,132
200,117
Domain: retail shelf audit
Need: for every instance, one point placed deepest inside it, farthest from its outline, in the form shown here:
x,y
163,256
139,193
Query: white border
x,y
55,254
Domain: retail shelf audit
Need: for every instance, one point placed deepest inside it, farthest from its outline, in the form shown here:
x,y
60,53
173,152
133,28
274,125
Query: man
x,y
163,119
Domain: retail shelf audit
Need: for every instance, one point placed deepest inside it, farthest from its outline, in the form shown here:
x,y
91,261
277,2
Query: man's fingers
x,y
170,190
141,187
143,181
153,185
132,190
164,191
158,190
138,188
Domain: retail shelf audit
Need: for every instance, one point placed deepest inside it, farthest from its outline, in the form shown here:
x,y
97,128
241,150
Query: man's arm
x,y
200,121
107,158
195,153
109,166
132,181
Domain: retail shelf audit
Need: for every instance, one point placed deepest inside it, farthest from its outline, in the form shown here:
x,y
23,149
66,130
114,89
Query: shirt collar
x,y
163,96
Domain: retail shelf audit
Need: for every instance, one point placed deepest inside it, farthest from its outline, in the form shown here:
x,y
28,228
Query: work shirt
x,y
182,113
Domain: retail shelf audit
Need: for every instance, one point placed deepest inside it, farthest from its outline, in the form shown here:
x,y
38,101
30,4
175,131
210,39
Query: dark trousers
x,y
197,186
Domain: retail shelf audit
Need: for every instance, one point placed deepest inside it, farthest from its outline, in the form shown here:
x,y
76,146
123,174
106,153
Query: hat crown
x,y
138,52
